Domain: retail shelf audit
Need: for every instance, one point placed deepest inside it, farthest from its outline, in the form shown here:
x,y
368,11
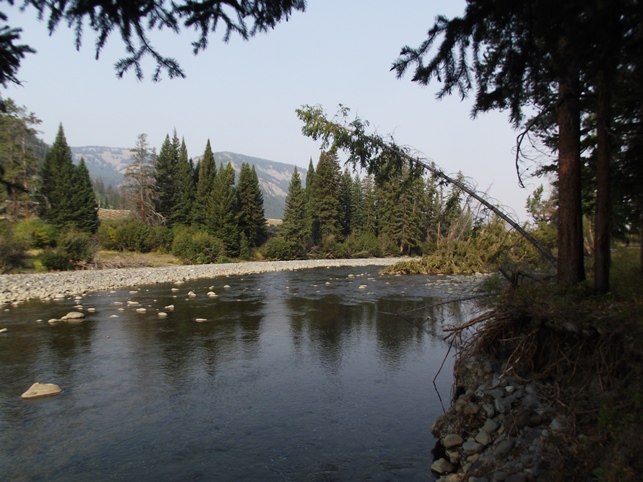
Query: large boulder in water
x,y
41,390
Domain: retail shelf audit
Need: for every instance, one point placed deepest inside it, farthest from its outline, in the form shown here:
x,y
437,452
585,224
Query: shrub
x,y
280,249
76,246
162,238
106,234
134,236
364,245
197,247
12,250
36,233
54,260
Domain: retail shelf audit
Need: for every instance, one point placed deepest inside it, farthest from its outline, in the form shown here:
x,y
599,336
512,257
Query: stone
x,y
504,447
200,320
133,303
516,478
141,310
478,479
471,447
471,409
191,294
51,321
41,390
490,425
162,314
73,317
452,440
483,438
442,466
169,307
212,294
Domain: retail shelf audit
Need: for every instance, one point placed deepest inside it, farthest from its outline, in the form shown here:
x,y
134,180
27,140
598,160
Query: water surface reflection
x,y
321,374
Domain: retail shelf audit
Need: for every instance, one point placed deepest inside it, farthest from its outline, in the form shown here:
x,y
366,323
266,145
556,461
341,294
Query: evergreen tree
x,y
84,200
345,203
221,218
164,180
184,188
138,188
371,222
18,159
295,227
251,218
324,198
206,173
401,210
58,183
358,207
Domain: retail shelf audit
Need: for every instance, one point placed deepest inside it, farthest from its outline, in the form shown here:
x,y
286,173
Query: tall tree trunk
x,y
571,268
603,198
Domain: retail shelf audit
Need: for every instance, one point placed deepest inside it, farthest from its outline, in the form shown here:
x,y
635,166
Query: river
x,y
312,375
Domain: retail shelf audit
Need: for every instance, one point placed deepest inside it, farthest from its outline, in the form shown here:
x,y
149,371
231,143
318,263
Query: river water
x,y
311,375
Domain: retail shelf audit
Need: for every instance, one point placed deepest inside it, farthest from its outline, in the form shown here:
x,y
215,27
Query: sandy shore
x,y
23,287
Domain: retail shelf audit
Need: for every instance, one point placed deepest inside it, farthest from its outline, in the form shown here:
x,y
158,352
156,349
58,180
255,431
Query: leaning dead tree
x,y
382,158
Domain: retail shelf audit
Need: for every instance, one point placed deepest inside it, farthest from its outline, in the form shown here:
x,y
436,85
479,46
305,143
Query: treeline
x,y
203,204
203,212
338,214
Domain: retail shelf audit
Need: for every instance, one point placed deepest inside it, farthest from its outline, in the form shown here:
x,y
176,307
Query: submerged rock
x,y
41,390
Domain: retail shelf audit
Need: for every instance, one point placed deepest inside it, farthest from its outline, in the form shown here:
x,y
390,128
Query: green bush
x,y
162,238
364,245
280,249
76,246
106,234
54,260
134,236
36,233
12,250
197,247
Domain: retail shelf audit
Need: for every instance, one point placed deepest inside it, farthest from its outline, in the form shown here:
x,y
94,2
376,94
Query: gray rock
x,y
516,478
442,466
452,440
500,476
471,409
73,316
483,438
504,447
471,447
478,479
490,426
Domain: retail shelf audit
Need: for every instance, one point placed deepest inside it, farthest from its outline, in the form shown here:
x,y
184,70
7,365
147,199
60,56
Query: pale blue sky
x,y
243,95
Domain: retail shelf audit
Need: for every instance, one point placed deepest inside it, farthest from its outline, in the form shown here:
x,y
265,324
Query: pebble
x,y
58,286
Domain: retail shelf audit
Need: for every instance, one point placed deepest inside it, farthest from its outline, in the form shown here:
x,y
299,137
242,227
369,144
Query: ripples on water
x,y
309,375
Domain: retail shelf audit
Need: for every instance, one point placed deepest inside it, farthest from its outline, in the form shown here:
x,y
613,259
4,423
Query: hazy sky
x,y
243,95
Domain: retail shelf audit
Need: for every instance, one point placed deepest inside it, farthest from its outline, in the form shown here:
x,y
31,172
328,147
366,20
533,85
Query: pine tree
x,y
251,218
324,198
358,207
164,181
295,227
345,203
206,173
84,200
184,189
401,207
58,183
18,159
221,217
138,186
371,222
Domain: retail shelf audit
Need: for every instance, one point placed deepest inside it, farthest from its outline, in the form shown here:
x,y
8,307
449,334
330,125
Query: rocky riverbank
x,y
46,286
496,428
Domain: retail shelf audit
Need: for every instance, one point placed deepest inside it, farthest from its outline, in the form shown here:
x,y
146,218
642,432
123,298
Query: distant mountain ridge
x,y
110,163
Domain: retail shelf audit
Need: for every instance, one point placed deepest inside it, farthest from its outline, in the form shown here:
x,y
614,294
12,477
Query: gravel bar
x,y
46,286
